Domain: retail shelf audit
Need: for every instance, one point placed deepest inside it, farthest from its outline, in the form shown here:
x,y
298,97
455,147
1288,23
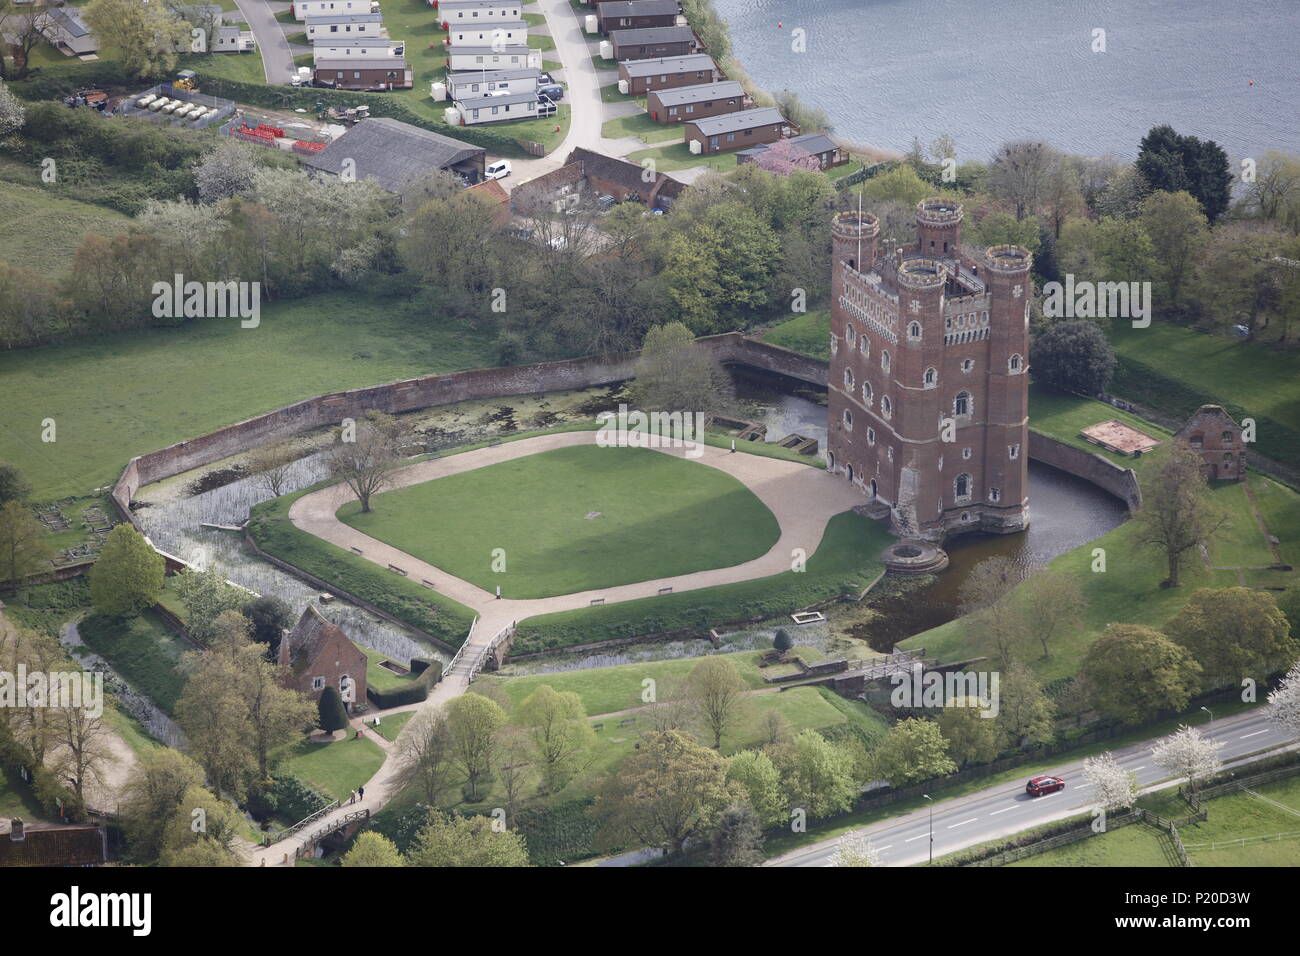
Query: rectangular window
x,y
1015,452
356,75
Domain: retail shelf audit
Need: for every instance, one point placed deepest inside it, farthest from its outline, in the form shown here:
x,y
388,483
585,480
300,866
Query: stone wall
x,y
432,390
1091,467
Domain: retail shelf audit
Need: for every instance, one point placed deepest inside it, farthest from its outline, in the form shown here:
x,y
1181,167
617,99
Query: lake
x,y
997,70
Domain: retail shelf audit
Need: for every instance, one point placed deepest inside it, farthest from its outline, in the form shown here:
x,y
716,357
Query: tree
x,y
718,270
1172,163
857,851
1275,194
784,157
1177,515
1025,713
1179,233
270,617
128,575
206,595
988,583
146,36
85,749
1134,672
154,790
426,751
756,782
202,831
365,457
1188,753
1124,250
1233,633
1073,357
472,722
1284,703
1112,786
972,737
372,849
717,690
332,715
913,750
13,486
561,735
467,841
1057,605
23,26
775,727
515,767
782,640
24,545
1020,174
229,169
815,775
669,791
1062,192
738,838
901,185
1003,626
674,374
271,465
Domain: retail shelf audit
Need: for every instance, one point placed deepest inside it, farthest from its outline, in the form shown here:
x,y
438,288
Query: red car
x,y
1041,785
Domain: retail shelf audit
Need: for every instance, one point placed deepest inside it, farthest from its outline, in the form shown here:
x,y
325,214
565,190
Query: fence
x,y
332,827
1245,841
1113,822
1195,797
305,821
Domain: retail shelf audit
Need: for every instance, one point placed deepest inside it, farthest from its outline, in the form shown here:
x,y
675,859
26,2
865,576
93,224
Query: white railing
x,y
451,665
489,647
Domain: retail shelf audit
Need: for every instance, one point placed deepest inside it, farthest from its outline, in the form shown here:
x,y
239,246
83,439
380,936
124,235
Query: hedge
x,y
288,798
413,693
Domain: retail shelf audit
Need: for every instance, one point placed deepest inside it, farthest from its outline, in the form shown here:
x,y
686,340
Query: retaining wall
x,y
1091,467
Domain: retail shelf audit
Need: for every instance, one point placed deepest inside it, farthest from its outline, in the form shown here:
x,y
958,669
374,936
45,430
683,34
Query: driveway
x,y
277,58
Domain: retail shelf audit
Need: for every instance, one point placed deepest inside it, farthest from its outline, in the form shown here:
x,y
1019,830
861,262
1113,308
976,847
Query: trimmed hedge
x,y
288,798
413,693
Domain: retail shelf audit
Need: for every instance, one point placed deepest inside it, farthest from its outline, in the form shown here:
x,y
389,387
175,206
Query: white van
x,y
498,170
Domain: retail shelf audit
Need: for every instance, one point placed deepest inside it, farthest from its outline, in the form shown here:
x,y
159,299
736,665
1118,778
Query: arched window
x,y
884,359
866,392
914,331
962,486
849,334
864,346
968,365
931,378
871,436
1015,364
830,460
962,404
848,379
886,406
848,419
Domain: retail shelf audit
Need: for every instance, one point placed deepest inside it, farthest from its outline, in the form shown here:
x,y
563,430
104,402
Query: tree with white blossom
x,y
1188,753
856,850
1113,787
1284,703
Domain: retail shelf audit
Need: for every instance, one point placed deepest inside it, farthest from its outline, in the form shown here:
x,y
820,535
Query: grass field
x,y
122,395
335,768
390,727
41,231
809,333
1133,845
17,800
642,127
658,516
678,156
1177,369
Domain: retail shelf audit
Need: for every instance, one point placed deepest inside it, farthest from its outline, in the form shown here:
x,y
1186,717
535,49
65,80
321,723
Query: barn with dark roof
x,y
397,155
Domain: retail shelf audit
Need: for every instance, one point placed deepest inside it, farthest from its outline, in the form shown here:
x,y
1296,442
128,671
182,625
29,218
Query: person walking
x,y
362,791
353,798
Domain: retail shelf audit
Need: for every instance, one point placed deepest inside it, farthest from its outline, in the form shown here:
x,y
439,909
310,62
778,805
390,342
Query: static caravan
x,y
452,12
302,9
345,25
506,33
519,56
355,73
365,48
476,83
500,107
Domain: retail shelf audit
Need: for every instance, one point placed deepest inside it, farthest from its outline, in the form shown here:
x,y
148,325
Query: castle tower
x,y
927,404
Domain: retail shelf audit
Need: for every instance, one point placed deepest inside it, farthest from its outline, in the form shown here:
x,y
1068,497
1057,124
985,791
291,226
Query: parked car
x,y
498,170
553,91
1037,786
545,78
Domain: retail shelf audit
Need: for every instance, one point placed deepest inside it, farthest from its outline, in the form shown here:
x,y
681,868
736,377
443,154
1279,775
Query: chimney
x,y
16,829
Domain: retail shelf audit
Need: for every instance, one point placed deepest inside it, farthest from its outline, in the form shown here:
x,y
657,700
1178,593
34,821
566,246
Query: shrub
x,y
333,715
1073,357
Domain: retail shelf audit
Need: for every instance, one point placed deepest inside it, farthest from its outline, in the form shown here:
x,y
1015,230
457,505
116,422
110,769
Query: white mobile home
x,y
502,106
504,33
477,11
345,25
365,48
64,27
476,83
486,58
302,9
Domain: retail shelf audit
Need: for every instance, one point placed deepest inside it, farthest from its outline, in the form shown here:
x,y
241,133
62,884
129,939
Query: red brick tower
x,y
928,391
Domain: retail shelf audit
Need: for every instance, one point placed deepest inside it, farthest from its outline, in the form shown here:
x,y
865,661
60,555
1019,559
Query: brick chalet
x,y
317,654
1214,434
664,72
594,174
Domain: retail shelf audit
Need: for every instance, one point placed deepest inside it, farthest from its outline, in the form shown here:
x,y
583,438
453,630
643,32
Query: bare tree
x,y
365,454
717,690
1057,605
1020,173
84,749
271,465
425,749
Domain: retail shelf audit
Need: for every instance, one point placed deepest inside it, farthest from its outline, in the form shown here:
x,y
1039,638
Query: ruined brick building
x,y
928,398
1217,438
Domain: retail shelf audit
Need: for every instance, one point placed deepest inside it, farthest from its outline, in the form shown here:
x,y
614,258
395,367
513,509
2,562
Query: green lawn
x,y
658,516
610,94
123,395
809,333
1129,590
1176,369
16,799
143,650
1133,845
678,156
381,678
642,127
40,230
390,727
335,768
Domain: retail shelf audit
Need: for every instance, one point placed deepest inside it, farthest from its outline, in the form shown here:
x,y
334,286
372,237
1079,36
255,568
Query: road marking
x,y
1255,734
1082,785
1048,796
921,837
963,823
882,849
1136,769
1003,810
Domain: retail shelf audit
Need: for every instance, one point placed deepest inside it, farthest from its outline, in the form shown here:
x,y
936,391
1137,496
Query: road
x,y
1004,809
277,59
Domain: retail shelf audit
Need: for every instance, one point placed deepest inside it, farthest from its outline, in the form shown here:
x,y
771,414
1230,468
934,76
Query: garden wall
x,y
413,394
1091,467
